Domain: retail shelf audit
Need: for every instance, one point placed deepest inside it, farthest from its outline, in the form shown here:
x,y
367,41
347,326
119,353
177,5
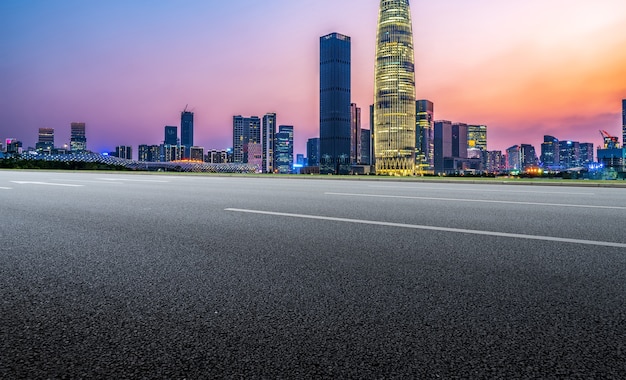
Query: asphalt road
x,y
109,275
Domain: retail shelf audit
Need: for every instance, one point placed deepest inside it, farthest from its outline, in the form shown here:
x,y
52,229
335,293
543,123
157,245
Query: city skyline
x,y
508,66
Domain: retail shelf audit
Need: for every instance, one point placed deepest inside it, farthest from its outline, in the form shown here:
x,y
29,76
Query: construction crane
x,y
610,142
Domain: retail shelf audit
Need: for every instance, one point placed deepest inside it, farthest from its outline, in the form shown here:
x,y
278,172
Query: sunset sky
x,y
127,68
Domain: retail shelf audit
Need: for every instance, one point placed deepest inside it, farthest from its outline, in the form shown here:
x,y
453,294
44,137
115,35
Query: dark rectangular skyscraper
x,y
442,143
335,120
313,151
46,139
186,131
171,135
624,123
246,137
425,119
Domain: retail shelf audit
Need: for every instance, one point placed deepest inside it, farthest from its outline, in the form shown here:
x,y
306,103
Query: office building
x,y
45,143
78,138
171,135
124,151
569,154
550,152
284,149
424,145
529,156
495,161
170,153
267,138
459,140
355,134
335,118
186,132
246,134
366,147
586,154
514,158
148,153
313,151
394,90
442,143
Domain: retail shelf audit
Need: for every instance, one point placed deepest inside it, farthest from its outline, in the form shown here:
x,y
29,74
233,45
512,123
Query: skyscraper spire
x,y
394,90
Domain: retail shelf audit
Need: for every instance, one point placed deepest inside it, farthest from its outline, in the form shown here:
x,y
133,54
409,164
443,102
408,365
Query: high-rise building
x,y
313,151
124,151
366,147
425,119
46,140
495,161
442,143
355,134
569,154
78,138
624,123
550,152
459,140
477,143
186,132
335,137
284,149
196,153
529,155
514,158
148,153
267,138
246,134
394,90
586,153
171,135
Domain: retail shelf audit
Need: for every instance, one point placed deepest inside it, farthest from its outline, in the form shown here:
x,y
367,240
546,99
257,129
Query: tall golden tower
x,y
394,91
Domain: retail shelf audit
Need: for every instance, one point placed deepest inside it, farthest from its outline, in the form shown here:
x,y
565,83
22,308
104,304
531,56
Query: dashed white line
x,y
132,180
475,201
6,188
433,228
45,183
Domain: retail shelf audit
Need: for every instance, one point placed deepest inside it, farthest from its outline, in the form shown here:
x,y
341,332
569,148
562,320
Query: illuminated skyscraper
x,y
424,138
335,118
284,149
268,134
186,132
394,90
246,137
78,139
46,139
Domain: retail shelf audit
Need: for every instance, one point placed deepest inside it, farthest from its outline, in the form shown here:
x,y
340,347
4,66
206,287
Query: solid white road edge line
x,y
432,228
475,201
479,189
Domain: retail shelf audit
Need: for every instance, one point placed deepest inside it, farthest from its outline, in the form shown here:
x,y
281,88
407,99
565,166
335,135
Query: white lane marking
x,y
433,228
479,190
476,201
6,188
132,180
45,183
86,181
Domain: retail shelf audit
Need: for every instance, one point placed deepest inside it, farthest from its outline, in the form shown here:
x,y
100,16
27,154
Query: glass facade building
x,y
186,132
78,139
284,149
355,134
335,115
46,139
246,132
424,145
313,151
171,135
394,90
